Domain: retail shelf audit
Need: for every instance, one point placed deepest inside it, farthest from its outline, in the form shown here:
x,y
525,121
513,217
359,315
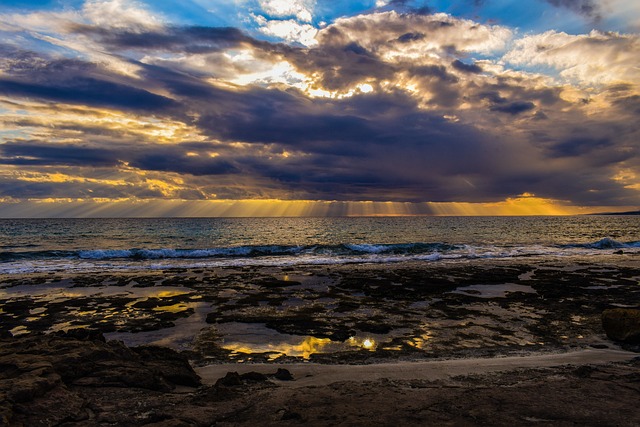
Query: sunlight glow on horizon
x,y
98,208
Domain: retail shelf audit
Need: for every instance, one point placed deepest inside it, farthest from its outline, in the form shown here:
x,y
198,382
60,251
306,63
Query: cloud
x,y
29,153
120,14
302,10
588,8
169,39
88,91
410,36
466,68
578,146
290,30
594,58
514,108
386,106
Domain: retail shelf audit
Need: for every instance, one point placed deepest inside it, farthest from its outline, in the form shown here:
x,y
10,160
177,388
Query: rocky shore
x,y
343,314
120,348
78,379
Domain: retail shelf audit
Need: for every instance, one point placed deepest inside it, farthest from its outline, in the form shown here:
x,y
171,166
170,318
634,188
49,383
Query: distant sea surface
x,y
77,245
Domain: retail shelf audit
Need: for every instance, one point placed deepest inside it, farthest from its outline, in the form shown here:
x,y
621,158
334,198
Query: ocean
x,y
85,245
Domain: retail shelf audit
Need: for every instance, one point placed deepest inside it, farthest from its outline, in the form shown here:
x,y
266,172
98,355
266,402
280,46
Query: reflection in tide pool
x,y
420,342
175,308
19,330
258,339
308,346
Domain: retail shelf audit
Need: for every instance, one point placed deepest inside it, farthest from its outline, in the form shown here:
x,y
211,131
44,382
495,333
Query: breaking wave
x,y
607,243
287,255
233,252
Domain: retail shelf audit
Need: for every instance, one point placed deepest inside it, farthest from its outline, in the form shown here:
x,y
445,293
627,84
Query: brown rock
x,y
48,379
254,376
229,380
170,364
622,324
283,375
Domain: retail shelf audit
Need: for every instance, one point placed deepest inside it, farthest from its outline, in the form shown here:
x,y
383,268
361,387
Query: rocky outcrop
x,y
622,324
42,374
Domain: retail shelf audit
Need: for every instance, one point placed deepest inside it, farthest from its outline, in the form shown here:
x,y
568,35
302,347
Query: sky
x,y
318,107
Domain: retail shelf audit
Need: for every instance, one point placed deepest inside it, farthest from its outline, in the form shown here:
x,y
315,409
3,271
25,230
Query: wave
x,y
233,252
317,254
606,243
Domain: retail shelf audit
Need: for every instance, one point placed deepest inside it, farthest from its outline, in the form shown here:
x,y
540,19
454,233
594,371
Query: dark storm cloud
x,y
492,96
514,108
272,116
410,37
510,90
410,6
28,75
580,146
342,65
588,8
34,153
358,157
438,71
40,190
629,104
73,81
150,157
466,68
172,39
88,91
170,161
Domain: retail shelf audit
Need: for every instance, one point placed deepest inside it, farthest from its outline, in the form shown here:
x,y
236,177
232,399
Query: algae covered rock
x,y
622,324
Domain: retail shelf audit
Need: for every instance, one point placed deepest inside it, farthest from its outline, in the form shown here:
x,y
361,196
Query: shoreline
x,y
618,257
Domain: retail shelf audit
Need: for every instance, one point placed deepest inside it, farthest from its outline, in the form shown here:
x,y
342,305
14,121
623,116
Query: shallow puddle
x,y
179,337
254,338
493,291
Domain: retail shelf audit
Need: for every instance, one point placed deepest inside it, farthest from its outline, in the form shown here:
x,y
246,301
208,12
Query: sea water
x,y
79,245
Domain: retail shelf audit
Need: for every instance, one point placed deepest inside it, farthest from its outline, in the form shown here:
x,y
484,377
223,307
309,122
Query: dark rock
x,y
341,335
584,371
27,384
283,375
622,324
212,317
272,282
169,423
374,328
69,378
289,415
229,380
599,346
254,376
83,334
170,364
